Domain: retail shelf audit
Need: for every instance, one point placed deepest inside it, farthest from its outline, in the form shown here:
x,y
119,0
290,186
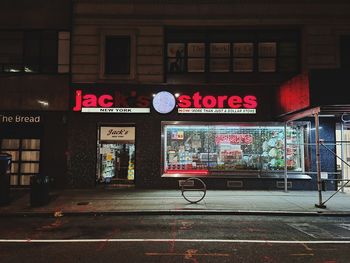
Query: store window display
x,y
226,149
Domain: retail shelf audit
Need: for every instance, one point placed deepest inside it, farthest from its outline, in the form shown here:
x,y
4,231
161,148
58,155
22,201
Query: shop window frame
x,y
20,162
259,173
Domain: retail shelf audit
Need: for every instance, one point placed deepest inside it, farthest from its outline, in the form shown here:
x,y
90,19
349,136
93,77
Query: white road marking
x,y
175,240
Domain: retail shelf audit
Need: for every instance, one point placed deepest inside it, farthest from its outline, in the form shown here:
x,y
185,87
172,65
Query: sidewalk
x,y
133,201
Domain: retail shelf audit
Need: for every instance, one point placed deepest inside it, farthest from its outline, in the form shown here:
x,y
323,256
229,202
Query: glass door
x,y
116,154
117,162
343,149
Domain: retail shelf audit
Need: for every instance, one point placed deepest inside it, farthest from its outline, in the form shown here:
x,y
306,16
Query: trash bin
x,y
5,165
39,190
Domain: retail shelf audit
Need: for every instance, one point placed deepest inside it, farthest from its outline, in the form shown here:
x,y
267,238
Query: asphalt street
x,y
151,238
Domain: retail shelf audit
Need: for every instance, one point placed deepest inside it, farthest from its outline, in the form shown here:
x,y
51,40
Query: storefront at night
x,y
154,136
318,96
36,142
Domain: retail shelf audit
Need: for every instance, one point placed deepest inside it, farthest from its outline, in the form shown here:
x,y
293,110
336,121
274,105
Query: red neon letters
x,y
117,99
234,102
90,100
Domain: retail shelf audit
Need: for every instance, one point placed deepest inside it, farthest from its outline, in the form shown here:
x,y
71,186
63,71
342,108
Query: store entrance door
x,y
116,151
343,150
117,162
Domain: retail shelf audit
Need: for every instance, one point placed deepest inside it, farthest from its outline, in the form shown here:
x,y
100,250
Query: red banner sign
x,y
234,138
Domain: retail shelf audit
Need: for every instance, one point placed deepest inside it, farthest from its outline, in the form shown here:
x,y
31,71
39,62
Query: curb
x,y
56,214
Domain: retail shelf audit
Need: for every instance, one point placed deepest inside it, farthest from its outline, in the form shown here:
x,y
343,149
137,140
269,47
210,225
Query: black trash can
x,y
39,190
5,165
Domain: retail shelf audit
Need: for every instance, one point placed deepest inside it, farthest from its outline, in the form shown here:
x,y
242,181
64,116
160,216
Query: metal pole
x,y
285,159
318,163
342,155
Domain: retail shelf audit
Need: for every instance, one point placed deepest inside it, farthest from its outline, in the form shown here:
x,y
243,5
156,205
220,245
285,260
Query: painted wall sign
x,y
19,118
111,102
117,133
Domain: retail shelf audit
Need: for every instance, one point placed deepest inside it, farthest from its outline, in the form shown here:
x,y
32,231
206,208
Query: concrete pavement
x,y
135,201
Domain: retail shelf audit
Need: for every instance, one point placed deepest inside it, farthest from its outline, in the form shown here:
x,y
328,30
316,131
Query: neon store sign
x,y
217,104
108,103
134,103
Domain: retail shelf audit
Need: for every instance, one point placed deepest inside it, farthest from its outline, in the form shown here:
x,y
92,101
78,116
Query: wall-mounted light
x,y
43,103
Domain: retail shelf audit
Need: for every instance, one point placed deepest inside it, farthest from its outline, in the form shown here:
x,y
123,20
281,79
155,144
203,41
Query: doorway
x,y
343,149
116,155
117,162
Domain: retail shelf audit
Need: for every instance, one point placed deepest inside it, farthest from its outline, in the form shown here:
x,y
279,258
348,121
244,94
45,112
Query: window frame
x,y
259,172
132,63
254,36
19,176
40,59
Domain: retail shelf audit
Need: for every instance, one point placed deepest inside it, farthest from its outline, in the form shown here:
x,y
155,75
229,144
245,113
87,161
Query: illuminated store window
x,y
231,149
25,155
116,154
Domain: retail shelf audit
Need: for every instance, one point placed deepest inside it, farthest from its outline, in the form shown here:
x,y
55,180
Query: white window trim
x,y
116,32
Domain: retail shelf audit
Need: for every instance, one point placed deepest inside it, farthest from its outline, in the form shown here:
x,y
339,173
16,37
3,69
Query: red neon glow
x,y
204,172
91,100
294,94
233,138
107,100
78,100
250,102
235,102
209,101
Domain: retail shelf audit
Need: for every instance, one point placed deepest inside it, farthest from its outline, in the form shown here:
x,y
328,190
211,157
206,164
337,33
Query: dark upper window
x,y
207,53
34,51
117,55
345,52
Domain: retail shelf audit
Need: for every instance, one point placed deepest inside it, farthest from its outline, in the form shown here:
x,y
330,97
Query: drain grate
x,y
83,203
